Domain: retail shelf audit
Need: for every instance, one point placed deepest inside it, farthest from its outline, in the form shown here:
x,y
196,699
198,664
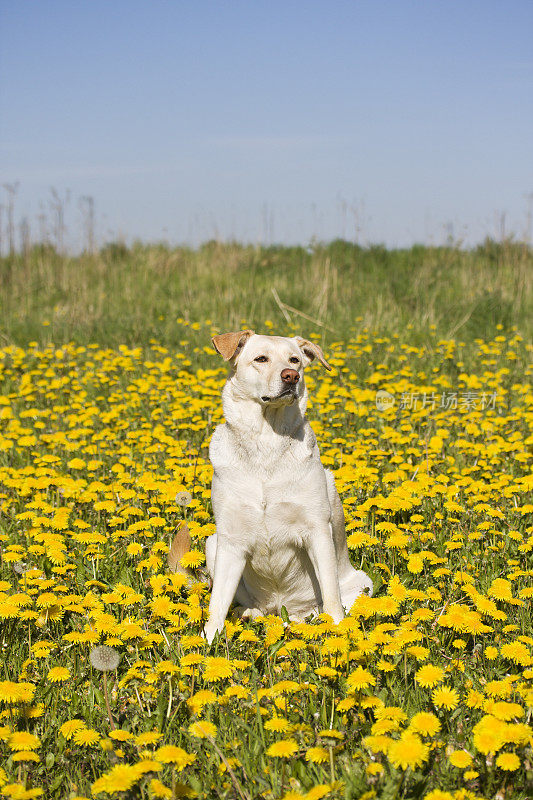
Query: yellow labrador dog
x,y
280,538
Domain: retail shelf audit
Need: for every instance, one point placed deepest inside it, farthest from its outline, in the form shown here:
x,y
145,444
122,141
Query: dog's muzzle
x,y
290,378
290,391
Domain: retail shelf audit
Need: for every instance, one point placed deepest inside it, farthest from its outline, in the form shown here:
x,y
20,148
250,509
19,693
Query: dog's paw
x,y
296,618
246,614
209,633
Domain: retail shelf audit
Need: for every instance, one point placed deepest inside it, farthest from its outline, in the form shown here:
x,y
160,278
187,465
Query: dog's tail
x,y
181,544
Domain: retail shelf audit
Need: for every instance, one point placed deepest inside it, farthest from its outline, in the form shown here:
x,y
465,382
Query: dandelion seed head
x,y
183,499
104,658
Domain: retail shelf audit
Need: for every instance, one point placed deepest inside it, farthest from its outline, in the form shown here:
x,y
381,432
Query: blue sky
x,y
379,121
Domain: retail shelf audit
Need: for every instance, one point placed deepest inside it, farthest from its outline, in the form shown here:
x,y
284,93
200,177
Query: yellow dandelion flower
x,y
170,754
317,755
445,697
191,659
500,589
360,678
460,759
237,691
518,733
58,674
69,728
330,733
202,729
76,463
385,666
278,724
119,779
319,791
15,791
384,726
248,636
518,653
148,738
508,762
346,704
419,652
284,687
390,712
474,699
22,740
9,610
490,734
217,668
147,765
25,755
326,672
159,790
192,559
503,710
408,751
379,743
12,692
429,675
502,688
120,735
106,745
5,733
167,668
283,749
415,563
200,699
375,769
425,724
86,736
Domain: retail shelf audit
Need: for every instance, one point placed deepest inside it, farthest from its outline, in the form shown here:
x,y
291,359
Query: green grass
x,y
130,296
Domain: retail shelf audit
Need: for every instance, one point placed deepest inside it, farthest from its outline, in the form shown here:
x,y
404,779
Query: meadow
x,y
109,394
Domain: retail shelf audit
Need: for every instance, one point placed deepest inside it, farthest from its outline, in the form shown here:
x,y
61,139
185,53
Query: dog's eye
x,y
294,360
261,359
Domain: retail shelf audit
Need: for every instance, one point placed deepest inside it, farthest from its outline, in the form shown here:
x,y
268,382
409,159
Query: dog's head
x,y
268,369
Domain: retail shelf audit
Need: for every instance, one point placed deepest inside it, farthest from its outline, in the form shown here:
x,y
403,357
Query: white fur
x,y
280,537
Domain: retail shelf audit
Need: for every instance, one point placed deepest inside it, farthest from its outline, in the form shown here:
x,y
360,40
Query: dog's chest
x,y
265,456
271,514
278,530
276,511
267,492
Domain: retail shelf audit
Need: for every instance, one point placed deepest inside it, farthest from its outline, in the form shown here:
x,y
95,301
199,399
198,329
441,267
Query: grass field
x,y
120,296
109,395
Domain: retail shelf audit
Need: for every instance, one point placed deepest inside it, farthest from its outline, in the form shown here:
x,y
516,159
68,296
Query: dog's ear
x,y
230,344
312,351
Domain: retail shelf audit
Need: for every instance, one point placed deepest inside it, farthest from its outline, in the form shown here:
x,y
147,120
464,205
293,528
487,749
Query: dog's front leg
x,y
229,566
324,559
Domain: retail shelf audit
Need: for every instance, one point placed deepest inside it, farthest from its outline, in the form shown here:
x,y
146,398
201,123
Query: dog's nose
x,y
290,377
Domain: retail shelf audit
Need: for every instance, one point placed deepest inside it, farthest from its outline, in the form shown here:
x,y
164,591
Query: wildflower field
x,y
109,690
